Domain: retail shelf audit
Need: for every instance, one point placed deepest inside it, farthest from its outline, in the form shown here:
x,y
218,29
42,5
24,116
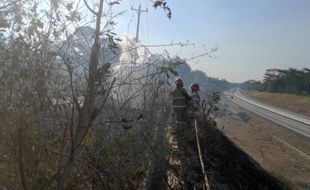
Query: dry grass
x,y
257,137
298,104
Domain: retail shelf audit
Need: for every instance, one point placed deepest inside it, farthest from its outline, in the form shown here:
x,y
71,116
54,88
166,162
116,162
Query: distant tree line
x,y
291,81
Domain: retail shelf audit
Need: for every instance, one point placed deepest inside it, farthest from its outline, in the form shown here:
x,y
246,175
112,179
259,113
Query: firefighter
x,y
195,100
180,102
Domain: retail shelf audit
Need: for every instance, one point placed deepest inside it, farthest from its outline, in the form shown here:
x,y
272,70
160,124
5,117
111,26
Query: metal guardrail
x,y
277,111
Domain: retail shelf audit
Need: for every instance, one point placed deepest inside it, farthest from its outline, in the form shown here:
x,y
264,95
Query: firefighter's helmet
x,y
195,87
179,82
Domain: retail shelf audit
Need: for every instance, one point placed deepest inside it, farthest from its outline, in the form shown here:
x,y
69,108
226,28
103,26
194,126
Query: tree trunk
x,y
85,118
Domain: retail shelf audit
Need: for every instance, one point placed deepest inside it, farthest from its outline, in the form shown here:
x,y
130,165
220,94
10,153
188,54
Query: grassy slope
x,y
258,138
228,167
298,104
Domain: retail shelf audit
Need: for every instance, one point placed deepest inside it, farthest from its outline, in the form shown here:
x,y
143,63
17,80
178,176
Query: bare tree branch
x,y
90,9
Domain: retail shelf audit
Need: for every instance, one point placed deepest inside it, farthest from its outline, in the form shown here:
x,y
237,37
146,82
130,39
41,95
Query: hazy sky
x,y
252,35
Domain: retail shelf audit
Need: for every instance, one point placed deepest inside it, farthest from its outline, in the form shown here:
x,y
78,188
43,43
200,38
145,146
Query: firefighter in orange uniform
x,y
180,102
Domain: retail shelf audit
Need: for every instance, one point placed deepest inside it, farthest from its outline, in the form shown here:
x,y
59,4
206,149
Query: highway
x,y
293,121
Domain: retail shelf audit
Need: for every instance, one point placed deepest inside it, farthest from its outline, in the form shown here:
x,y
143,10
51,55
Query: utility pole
x,y
138,22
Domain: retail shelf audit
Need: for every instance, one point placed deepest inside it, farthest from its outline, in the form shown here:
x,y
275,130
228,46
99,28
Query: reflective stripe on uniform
x,y
180,122
179,107
195,99
178,98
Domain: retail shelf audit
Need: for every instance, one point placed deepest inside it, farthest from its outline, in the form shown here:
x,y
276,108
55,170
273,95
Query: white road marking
x,y
274,110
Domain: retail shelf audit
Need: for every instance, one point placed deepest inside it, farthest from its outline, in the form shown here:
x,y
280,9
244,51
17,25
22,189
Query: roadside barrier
x,y
277,111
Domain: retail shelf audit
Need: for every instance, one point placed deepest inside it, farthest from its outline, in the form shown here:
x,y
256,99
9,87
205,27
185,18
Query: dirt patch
x,y
244,116
260,138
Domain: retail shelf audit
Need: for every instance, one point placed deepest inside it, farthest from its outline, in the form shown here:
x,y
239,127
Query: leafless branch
x,y
90,9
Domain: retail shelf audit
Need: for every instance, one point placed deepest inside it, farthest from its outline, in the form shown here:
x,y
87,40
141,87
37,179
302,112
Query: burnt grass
x,y
229,167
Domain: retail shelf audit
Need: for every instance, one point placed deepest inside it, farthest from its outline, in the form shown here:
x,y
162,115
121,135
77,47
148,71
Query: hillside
x,y
227,166
208,84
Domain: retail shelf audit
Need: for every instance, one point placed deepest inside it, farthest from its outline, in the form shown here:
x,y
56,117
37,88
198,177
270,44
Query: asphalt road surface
x,y
293,121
